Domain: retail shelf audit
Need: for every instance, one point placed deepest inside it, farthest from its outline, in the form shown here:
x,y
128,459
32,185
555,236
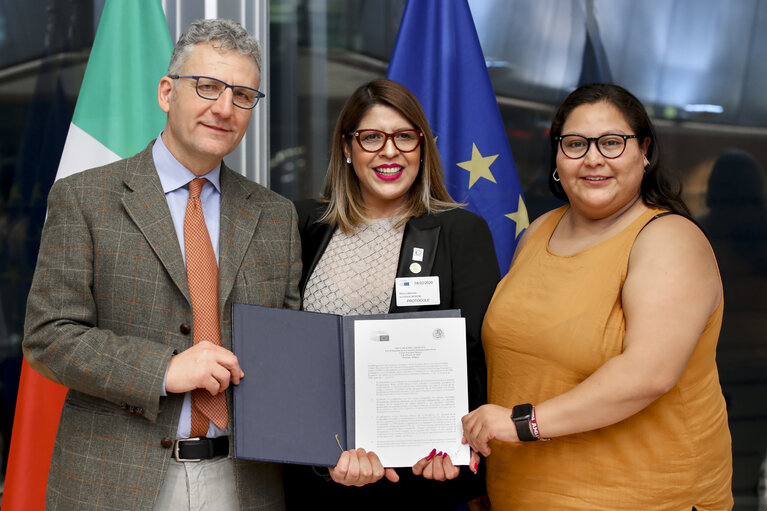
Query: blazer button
x,y
184,329
166,443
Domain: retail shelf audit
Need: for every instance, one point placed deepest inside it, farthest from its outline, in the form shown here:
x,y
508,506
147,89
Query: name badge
x,y
415,291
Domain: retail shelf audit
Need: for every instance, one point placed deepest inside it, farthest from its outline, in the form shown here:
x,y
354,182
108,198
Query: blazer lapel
x,y
420,233
314,240
145,203
239,218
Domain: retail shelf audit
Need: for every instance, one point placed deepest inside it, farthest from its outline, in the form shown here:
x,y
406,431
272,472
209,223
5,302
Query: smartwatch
x,y
521,415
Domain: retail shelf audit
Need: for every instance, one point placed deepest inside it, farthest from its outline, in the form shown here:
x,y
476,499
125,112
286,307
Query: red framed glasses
x,y
373,141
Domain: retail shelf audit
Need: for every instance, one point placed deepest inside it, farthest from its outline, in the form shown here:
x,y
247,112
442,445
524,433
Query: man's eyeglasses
x,y
610,145
212,88
373,141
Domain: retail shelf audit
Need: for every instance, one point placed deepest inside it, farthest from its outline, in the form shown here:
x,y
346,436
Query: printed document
x,y
411,388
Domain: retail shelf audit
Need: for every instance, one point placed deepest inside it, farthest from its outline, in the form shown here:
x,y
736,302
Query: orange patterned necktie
x,y
202,275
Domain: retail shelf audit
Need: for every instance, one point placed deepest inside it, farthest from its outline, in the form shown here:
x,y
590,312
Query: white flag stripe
x,y
81,152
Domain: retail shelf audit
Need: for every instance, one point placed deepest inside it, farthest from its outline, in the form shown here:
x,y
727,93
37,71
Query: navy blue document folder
x,y
296,401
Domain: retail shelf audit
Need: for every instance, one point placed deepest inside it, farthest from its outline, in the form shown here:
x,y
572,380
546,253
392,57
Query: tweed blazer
x,y
108,307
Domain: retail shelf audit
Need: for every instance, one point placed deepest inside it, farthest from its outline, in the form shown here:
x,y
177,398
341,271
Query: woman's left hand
x,y
437,466
488,422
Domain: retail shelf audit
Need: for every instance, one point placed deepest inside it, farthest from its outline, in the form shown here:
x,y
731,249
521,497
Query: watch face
x,y
522,412
521,415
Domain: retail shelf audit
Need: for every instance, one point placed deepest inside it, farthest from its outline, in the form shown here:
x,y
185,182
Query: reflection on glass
x,y
736,224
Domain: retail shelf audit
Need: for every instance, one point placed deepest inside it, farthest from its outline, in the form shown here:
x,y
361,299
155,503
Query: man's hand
x,y
358,468
203,366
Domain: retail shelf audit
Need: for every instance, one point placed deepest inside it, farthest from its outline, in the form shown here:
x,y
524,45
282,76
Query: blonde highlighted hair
x,y
345,205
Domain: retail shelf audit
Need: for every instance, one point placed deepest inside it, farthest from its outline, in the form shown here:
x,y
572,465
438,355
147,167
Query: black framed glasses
x,y
212,88
373,141
610,145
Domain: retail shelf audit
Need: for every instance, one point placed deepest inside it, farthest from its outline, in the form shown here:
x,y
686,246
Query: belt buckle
x,y
177,443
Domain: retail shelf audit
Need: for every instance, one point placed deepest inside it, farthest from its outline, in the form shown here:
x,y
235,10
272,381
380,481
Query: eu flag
x,y
438,57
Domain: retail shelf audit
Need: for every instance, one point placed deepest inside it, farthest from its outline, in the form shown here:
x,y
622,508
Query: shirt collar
x,y
173,175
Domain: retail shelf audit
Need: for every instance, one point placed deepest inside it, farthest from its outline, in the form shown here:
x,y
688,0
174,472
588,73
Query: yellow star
x,y
520,217
478,166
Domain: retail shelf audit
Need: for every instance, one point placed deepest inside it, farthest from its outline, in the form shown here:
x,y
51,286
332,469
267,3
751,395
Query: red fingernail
x,y
475,468
439,453
444,455
431,454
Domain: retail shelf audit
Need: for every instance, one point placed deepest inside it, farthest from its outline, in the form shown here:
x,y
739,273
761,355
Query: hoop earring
x,y
349,161
555,176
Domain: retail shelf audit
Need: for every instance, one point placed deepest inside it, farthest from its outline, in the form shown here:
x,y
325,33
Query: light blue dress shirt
x,y
175,179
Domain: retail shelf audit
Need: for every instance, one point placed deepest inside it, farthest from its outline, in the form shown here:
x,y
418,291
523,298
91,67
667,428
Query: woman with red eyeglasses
x,y
385,213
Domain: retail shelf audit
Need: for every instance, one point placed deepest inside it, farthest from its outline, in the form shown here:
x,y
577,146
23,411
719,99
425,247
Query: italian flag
x,y
115,117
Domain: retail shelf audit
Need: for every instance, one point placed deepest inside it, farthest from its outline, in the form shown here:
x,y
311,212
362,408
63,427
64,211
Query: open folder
x,y
296,403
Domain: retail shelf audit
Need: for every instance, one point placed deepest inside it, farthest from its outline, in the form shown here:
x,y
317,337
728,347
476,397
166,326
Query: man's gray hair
x,y
222,34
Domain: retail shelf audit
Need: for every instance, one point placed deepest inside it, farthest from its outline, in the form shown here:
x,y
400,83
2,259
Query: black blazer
x,y
459,249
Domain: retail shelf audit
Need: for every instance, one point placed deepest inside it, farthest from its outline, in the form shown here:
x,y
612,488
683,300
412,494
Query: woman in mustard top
x,y
602,336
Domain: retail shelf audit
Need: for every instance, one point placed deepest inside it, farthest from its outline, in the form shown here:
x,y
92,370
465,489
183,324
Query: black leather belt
x,y
200,448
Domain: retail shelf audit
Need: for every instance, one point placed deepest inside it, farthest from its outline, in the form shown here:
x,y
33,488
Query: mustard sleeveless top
x,y
552,322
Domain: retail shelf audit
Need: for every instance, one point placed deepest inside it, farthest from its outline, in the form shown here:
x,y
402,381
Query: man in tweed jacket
x,y
109,313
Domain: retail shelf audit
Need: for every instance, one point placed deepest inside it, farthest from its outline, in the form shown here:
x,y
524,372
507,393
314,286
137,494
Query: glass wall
x,y
44,46
700,66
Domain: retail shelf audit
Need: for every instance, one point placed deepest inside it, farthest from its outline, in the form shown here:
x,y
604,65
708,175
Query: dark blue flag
x,y
595,67
438,57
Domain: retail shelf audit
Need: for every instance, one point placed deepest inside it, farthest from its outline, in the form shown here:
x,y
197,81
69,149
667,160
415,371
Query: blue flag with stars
x,y
438,57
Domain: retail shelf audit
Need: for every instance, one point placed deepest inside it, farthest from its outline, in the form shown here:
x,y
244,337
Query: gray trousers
x,y
199,485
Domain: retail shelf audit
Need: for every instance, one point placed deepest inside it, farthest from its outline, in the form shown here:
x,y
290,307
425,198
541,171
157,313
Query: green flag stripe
x,y
117,104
